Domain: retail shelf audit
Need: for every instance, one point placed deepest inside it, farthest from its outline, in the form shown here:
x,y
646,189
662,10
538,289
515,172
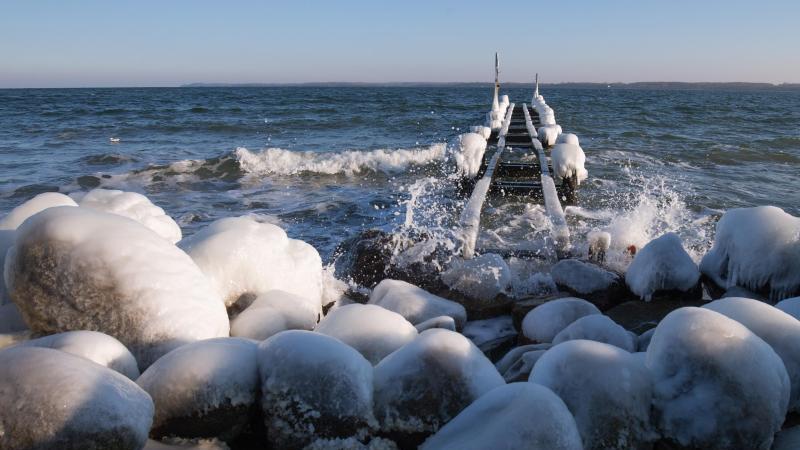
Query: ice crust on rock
x,y
599,328
510,417
272,312
608,391
204,389
778,329
80,269
582,277
313,387
372,330
544,322
415,304
469,156
756,248
242,256
133,206
427,382
52,400
568,161
662,265
97,347
482,278
716,384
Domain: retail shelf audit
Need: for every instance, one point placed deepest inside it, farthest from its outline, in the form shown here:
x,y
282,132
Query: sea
x,y
328,162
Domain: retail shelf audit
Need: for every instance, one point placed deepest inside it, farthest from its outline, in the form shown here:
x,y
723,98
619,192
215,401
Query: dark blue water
x,y
328,162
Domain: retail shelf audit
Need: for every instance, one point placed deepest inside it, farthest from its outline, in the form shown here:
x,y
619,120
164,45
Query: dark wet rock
x,y
639,316
603,288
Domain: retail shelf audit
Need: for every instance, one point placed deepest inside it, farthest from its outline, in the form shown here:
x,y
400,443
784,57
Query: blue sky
x,y
166,43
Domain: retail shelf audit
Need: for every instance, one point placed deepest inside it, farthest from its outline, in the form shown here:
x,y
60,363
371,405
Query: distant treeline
x,y
643,85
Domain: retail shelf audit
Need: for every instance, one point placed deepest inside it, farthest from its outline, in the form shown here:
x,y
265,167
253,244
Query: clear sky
x,y
170,42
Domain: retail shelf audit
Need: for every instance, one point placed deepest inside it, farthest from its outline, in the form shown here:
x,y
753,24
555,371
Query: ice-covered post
x,y
536,91
496,102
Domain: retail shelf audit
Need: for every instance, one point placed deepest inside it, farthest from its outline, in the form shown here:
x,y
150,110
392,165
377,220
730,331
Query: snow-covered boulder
x,y
415,304
313,386
444,322
599,328
133,206
204,389
544,322
482,278
567,138
548,134
51,400
589,281
790,306
98,347
80,269
485,132
373,331
716,384
607,390
514,416
778,329
244,257
469,155
568,161
424,384
662,266
275,311
756,248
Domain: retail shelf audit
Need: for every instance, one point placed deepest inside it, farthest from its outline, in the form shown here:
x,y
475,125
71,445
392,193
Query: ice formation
x,y
778,329
483,278
469,156
568,161
424,384
582,277
313,386
544,322
757,248
548,134
486,132
567,138
204,389
415,304
275,311
790,306
510,417
80,269
242,256
444,322
716,384
662,265
607,390
599,328
372,330
97,347
133,206
51,400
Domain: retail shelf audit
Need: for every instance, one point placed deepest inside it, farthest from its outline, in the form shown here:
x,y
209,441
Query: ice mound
x,y
486,132
469,156
568,161
373,331
242,256
778,329
97,347
424,384
14,219
444,322
568,138
133,206
313,387
599,328
80,269
275,311
607,390
481,278
757,248
548,134
662,265
415,304
51,400
717,385
544,322
514,416
790,306
204,389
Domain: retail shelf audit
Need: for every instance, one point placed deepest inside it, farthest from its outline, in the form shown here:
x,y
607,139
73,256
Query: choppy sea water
x,y
328,162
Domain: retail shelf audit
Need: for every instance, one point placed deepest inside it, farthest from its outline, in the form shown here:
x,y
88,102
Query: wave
x,y
286,162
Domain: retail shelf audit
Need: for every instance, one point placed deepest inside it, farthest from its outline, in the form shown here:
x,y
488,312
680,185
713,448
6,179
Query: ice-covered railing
x,y
471,216
552,205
